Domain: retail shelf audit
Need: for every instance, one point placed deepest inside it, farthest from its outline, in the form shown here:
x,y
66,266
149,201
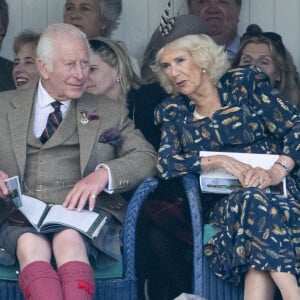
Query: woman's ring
x,y
93,196
261,181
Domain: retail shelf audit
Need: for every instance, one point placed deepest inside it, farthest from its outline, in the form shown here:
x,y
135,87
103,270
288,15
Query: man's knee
x,y
69,245
32,247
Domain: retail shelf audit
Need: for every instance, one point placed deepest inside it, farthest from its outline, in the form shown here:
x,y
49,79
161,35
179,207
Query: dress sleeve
x,y
280,117
172,160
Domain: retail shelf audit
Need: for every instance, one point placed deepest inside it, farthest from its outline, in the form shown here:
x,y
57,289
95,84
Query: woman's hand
x,y
247,175
257,177
230,164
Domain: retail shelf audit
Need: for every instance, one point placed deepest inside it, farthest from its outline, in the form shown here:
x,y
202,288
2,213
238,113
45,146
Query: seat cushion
x,y
114,270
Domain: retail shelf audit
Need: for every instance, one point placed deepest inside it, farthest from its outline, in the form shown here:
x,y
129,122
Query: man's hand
x,y
87,189
3,187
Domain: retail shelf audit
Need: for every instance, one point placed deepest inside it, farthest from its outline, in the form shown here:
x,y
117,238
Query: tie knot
x,y
56,105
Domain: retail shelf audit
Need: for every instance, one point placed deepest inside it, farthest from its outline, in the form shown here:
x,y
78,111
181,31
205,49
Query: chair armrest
x,y
134,206
206,283
192,189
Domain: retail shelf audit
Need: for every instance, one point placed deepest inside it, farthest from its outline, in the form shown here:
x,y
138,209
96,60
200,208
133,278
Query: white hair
x,y
205,52
45,49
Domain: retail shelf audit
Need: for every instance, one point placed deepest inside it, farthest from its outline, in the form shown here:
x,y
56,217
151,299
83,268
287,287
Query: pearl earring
x,y
118,80
203,71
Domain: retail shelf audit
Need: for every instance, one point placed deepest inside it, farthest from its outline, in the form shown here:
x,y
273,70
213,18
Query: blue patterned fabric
x,y
252,228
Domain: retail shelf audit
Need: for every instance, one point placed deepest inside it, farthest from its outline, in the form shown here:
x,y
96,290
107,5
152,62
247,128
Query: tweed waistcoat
x,y
53,168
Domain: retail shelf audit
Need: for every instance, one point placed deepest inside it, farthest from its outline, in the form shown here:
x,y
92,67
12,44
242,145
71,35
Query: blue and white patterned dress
x,y
252,228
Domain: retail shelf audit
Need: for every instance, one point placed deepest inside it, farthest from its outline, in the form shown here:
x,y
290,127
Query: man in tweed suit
x,y
94,149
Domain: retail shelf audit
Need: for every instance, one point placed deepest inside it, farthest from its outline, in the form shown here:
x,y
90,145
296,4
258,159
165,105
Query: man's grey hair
x,y
45,48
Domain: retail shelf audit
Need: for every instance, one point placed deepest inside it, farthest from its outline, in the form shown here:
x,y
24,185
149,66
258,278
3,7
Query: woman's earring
x,y
203,71
118,80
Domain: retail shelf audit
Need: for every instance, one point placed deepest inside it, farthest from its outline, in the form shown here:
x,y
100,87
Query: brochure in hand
x,y
220,181
48,217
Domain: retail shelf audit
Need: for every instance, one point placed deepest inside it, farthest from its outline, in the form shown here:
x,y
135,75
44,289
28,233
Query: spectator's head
x,y
63,54
111,72
221,15
184,25
25,71
186,55
94,17
4,20
267,51
205,58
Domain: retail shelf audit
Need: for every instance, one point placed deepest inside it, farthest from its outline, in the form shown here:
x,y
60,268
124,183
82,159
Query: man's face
x,y
85,15
222,17
68,77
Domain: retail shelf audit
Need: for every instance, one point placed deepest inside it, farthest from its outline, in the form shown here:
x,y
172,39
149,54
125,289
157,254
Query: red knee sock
x,y
38,280
77,280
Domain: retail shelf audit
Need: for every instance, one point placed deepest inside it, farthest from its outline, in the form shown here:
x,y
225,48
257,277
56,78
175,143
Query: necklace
x,y
209,103
207,113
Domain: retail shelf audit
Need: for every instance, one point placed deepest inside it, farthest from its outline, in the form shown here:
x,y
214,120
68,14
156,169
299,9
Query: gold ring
x,y
93,196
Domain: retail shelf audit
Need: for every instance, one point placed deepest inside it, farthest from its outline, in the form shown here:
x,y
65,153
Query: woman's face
x,y
25,72
102,78
183,72
260,55
85,15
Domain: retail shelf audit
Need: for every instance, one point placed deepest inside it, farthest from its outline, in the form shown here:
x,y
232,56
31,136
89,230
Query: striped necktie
x,y
54,119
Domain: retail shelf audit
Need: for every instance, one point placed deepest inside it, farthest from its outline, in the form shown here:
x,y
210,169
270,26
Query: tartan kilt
x,y
171,216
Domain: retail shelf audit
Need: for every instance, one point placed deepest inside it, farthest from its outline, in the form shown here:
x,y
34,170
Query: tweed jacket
x,y
130,159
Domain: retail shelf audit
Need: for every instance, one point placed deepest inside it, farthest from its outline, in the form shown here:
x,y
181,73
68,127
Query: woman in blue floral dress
x,y
257,235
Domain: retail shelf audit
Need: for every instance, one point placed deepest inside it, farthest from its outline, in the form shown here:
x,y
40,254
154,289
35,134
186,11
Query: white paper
x,y
220,181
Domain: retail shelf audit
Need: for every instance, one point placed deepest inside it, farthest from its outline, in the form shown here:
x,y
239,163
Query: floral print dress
x,y
252,228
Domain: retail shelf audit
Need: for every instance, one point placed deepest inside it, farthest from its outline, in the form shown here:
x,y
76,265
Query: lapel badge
x,y
84,117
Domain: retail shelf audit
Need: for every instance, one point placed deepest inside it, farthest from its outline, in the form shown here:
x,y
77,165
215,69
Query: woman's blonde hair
x,y
115,55
206,54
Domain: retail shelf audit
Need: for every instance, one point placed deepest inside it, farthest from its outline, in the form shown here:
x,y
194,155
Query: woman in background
x,y
25,72
111,72
267,51
96,18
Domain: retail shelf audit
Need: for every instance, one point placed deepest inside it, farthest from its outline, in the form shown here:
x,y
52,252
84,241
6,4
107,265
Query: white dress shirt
x,y
43,108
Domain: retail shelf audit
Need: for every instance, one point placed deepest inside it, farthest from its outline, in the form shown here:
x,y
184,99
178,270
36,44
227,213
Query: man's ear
x,y
43,69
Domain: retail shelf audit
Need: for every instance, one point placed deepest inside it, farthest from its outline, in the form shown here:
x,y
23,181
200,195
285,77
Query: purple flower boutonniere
x,y
111,136
85,117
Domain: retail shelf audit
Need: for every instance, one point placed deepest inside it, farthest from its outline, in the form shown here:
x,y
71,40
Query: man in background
x,y
222,17
6,66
